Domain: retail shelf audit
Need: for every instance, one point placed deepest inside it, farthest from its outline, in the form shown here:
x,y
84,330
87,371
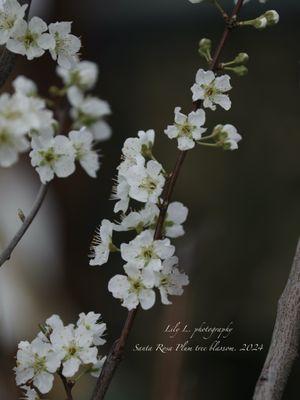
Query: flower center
x,y
148,184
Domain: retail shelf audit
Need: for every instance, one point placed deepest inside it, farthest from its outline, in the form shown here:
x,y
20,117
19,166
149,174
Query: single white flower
x,y
82,142
25,86
144,251
52,156
187,129
227,136
170,280
11,145
97,367
211,89
90,112
30,39
91,323
139,220
176,215
120,193
30,394
84,75
75,345
102,243
65,45
134,288
146,181
37,362
138,146
10,14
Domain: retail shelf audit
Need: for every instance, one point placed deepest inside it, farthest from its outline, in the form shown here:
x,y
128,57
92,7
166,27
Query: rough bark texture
x,y
8,59
285,339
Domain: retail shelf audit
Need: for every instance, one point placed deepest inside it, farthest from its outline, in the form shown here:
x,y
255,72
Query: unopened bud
x,y
260,23
240,70
205,48
272,17
241,58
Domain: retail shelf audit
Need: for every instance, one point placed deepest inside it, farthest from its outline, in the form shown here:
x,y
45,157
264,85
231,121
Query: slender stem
x,y
116,353
220,8
67,385
6,254
284,345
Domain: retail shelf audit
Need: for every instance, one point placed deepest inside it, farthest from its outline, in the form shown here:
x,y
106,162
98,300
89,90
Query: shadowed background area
x,y
244,206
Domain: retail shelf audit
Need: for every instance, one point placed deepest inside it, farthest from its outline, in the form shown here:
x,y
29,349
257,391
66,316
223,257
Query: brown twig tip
x,y
6,254
116,354
284,345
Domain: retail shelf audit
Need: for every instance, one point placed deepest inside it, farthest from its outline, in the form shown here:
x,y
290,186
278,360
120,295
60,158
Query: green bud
x,y
272,17
205,48
260,22
239,70
241,58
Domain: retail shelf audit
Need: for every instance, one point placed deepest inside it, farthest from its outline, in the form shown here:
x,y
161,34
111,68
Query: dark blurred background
x,y
244,206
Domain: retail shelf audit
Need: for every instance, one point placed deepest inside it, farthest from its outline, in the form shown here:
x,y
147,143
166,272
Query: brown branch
x,y
285,339
8,59
116,354
67,385
6,254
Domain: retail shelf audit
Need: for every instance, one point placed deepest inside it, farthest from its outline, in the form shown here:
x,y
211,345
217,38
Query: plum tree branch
x,y
116,353
6,254
284,345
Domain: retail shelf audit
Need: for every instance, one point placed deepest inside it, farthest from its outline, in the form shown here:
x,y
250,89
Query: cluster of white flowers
x,y
86,110
149,263
60,349
33,38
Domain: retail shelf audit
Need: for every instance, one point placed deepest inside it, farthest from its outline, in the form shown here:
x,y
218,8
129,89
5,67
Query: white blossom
x,y
91,323
65,46
82,142
75,346
176,215
211,89
121,194
10,14
102,243
134,288
84,75
37,361
143,251
97,367
25,86
138,146
30,394
139,220
227,136
89,112
52,156
30,39
11,144
187,129
170,280
146,181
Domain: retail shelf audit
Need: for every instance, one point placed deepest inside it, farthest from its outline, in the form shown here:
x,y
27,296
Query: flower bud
x,y
272,17
205,48
239,70
241,58
260,22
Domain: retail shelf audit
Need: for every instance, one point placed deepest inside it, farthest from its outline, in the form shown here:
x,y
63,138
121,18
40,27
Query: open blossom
x,y
36,362
75,346
65,46
30,39
89,112
144,251
83,75
210,89
10,14
91,323
97,367
121,194
138,146
52,156
227,136
134,288
170,280
25,86
11,144
102,243
176,215
82,142
146,181
187,129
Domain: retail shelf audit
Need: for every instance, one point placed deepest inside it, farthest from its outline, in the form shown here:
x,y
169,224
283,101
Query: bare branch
x,y
116,353
8,59
67,385
285,339
26,224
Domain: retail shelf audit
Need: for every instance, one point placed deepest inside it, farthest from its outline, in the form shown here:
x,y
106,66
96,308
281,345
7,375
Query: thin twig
x,y
67,385
6,254
8,59
116,353
285,339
